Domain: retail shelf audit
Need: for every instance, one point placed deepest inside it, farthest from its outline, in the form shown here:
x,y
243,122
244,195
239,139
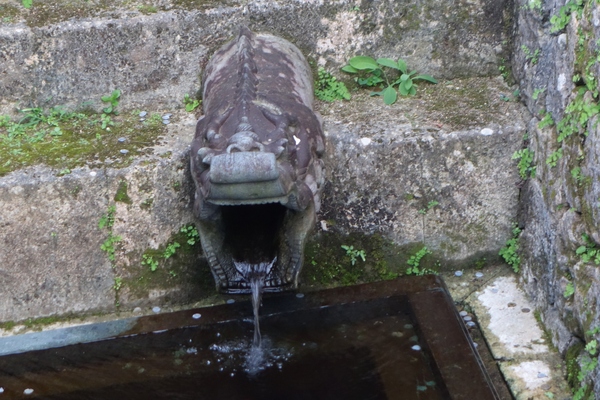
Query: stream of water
x,y
255,274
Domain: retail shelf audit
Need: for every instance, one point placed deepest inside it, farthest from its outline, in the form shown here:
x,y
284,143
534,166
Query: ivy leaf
x,y
363,63
389,95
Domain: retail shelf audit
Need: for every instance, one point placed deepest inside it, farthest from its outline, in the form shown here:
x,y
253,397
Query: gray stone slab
x,y
56,54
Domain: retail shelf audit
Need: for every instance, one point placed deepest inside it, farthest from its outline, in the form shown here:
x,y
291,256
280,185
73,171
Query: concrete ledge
x,y
51,55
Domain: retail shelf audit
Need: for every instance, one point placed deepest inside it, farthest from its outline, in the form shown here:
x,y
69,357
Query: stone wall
x,y
54,54
387,165
556,55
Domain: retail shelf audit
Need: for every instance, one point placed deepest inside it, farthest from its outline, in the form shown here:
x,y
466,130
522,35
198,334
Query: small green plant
x,y
504,70
430,205
589,251
118,283
107,220
510,251
414,261
113,100
150,262
569,290
109,245
589,361
525,163
553,158
530,56
372,74
171,250
559,21
328,88
106,121
190,103
354,254
192,234
578,176
536,93
27,3
546,121
534,5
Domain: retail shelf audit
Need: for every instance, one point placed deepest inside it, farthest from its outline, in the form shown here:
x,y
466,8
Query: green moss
x,y
572,365
8,325
8,12
147,203
75,141
121,195
328,264
147,9
181,268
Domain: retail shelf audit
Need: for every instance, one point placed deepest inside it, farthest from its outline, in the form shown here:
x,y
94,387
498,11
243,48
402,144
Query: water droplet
x,y
93,173
27,391
156,309
124,151
467,318
478,274
166,121
1,390
463,313
218,334
471,324
196,316
143,114
299,295
475,345
137,310
142,119
207,362
230,301
458,273
416,347
166,116
121,139
232,374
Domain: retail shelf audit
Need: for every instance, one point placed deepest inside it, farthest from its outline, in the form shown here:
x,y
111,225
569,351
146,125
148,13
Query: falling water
x,y
256,283
255,274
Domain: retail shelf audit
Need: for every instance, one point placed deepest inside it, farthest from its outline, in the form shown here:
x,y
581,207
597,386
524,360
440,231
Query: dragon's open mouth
x,y
260,240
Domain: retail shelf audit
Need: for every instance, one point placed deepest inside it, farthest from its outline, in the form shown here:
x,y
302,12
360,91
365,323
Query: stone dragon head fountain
x,y
256,160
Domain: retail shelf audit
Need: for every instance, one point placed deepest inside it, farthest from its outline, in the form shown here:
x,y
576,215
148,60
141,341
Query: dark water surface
x,y
365,350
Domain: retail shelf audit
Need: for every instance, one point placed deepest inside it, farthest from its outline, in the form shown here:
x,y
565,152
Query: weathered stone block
x,y
50,55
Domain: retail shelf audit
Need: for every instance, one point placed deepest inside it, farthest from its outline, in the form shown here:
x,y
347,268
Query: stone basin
x,y
400,339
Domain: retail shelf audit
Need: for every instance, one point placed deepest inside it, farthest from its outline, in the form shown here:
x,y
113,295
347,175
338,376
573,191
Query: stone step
x,y
451,144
